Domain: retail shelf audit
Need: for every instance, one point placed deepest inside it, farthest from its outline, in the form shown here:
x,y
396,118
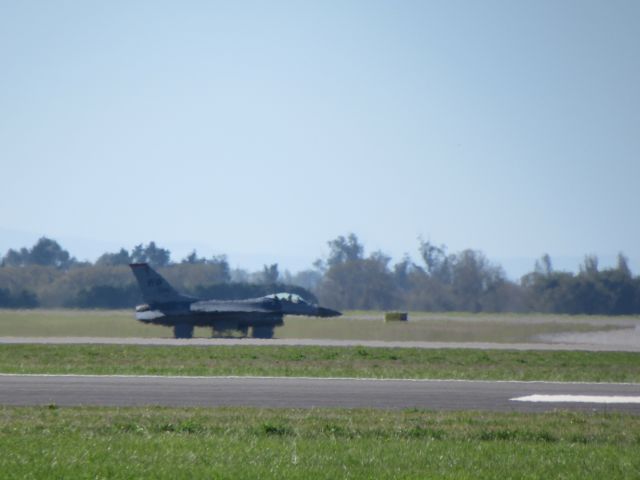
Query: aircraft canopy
x,y
287,297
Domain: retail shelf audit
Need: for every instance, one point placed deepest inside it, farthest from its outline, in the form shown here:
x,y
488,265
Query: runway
x,y
76,390
583,344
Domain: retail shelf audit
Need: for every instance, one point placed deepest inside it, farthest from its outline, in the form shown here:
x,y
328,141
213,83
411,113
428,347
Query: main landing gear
x,y
183,330
263,331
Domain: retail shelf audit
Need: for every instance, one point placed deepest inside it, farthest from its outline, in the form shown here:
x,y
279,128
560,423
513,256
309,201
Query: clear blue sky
x,y
264,129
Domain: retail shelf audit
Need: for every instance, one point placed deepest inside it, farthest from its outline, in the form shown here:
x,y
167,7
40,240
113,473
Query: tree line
x,y
47,275
467,281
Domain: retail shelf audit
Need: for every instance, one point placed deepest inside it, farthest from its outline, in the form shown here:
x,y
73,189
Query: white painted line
x,y
578,399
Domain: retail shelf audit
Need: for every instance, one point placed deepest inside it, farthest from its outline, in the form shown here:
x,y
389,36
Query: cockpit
x,y
288,297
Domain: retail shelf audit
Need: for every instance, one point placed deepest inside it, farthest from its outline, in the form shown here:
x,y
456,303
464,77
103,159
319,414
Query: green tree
x,y
589,265
151,254
112,259
438,263
344,249
16,258
107,296
270,274
193,258
476,282
46,252
623,265
352,281
308,279
543,266
49,253
22,299
402,273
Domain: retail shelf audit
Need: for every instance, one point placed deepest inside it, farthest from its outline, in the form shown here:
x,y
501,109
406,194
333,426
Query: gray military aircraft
x,y
165,306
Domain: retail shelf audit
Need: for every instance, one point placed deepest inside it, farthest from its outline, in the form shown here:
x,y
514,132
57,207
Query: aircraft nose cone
x,y
327,312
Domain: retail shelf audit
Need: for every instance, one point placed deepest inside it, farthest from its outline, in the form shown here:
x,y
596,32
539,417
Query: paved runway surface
x,y
619,346
309,392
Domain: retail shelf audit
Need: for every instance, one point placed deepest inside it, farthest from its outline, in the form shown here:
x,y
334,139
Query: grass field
x,y
154,442
352,326
322,362
121,443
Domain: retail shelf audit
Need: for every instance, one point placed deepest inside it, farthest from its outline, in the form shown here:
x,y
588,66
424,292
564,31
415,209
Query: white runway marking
x,y
578,399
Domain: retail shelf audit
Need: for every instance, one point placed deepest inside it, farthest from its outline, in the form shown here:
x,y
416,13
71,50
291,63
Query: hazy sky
x,y
264,129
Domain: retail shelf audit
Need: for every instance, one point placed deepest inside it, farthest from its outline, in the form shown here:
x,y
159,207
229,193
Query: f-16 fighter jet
x,y
165,306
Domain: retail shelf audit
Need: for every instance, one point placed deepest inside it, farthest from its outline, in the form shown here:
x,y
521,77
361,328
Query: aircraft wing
x,y
228,307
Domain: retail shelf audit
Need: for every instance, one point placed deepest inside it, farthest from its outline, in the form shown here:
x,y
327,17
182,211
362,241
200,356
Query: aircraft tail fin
x,y
155,289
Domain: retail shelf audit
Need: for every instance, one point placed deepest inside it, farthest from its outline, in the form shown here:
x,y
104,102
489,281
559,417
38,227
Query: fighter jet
x,y
165,306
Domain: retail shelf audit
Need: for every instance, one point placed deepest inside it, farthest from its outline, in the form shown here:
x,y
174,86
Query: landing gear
x,y
229,331
183,330
243,330
265,331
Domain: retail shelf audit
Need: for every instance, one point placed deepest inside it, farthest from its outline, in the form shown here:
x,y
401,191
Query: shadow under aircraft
x,y
165,306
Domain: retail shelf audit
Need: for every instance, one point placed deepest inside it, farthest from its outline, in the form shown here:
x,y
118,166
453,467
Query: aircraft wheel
x,y
262,332
243,330
183,330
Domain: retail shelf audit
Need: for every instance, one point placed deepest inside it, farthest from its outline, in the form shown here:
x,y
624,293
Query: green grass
x,y
322,362
82,323
451,327
123,443
436,328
